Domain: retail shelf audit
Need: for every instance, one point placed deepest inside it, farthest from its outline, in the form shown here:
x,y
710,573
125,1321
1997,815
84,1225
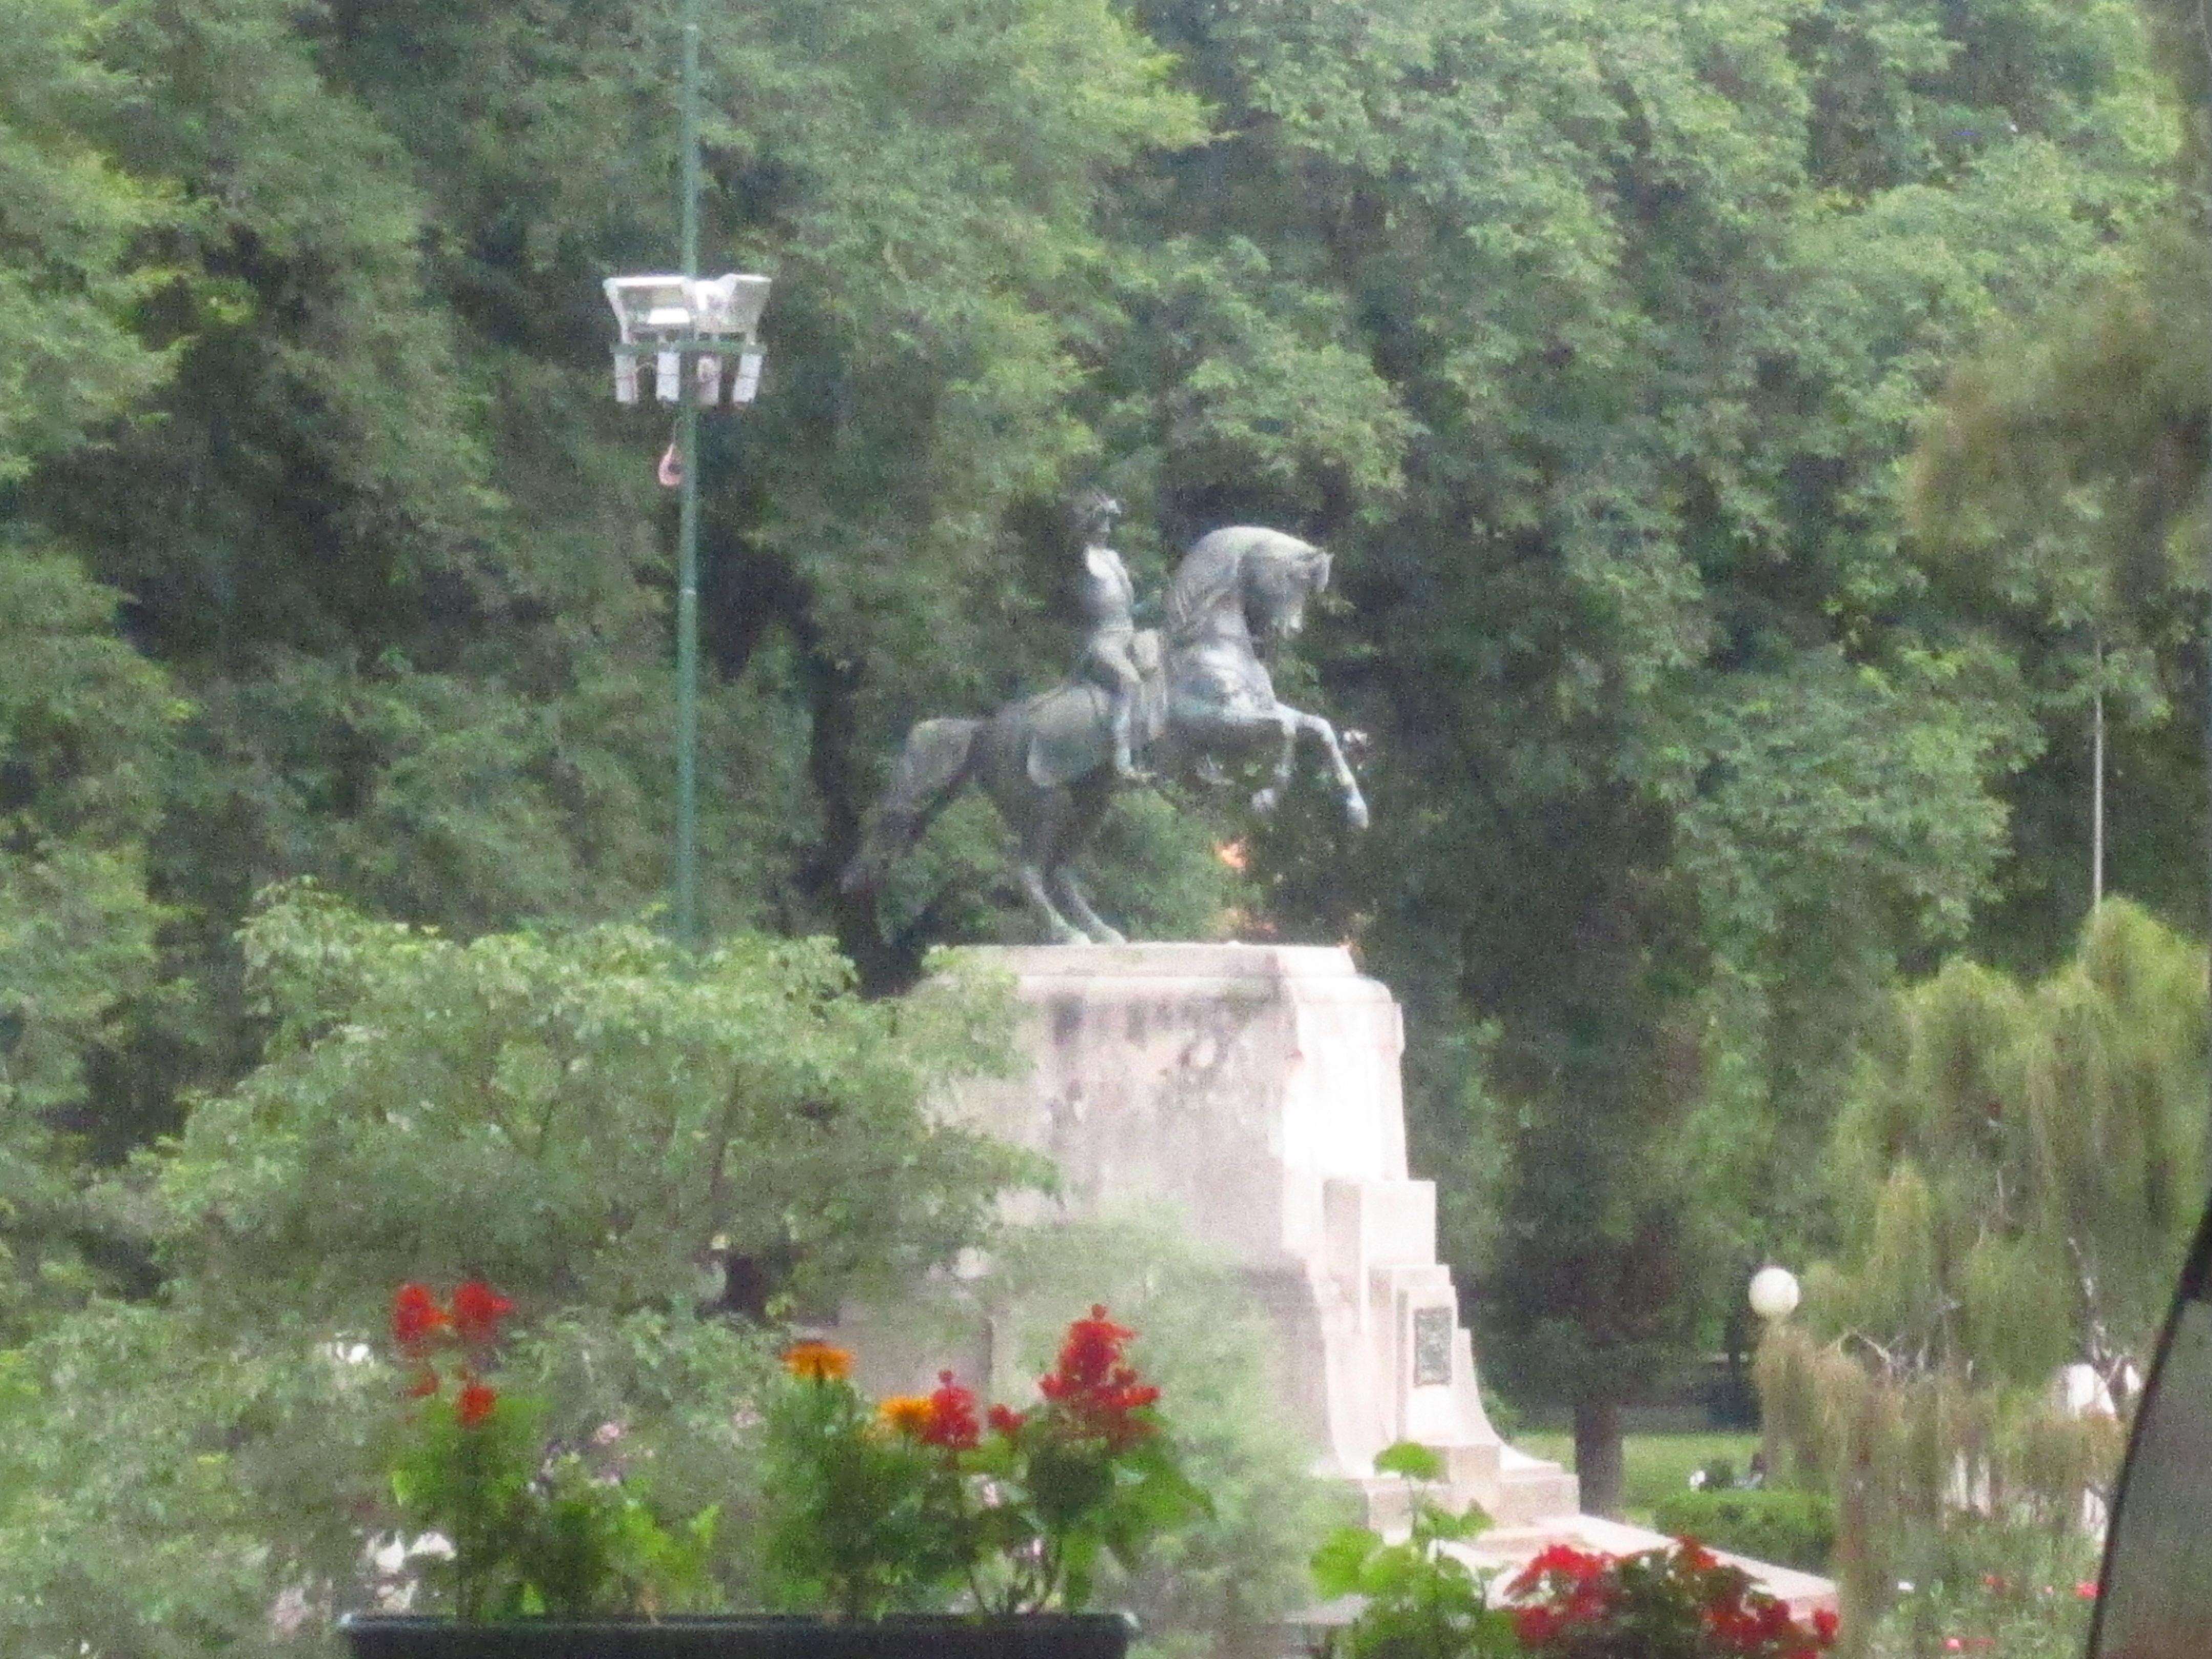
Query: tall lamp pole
x,y
689,931
691,323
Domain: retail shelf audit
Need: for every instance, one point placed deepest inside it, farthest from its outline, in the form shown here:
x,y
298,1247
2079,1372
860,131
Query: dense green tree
x,y
2061,484
1676,751
85,724
615,1121
2015,1181
72,276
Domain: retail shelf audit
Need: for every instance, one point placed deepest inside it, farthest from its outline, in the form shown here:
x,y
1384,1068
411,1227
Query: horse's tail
x,y
936,764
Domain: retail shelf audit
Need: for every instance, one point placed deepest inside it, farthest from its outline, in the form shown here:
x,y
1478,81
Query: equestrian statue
x,y
1171,701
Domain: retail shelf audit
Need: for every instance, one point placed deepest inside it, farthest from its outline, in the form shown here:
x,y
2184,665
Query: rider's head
x,y
1095,514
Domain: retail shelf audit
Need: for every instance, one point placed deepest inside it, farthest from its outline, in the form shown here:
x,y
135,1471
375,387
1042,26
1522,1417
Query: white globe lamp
x,y
1774,1293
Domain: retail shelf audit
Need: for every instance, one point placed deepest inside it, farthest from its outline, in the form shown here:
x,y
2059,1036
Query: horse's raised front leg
x,y
1289,723
1347,785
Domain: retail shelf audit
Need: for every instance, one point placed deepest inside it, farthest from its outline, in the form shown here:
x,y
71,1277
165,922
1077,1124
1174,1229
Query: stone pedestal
x,y
1254,1091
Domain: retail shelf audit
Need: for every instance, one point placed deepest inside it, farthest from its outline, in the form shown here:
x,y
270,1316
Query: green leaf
x,y
1340,1566
1412,1460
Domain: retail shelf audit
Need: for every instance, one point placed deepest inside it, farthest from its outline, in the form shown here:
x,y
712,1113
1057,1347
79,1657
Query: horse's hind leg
x,y
1063,931
1087,804
1042,834
1078,904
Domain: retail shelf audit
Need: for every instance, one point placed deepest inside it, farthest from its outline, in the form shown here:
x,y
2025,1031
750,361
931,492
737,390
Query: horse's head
x,y
1280,574
1241,580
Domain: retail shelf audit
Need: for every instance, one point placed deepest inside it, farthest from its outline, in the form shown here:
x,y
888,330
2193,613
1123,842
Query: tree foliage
x,y
615,1120
2015,1179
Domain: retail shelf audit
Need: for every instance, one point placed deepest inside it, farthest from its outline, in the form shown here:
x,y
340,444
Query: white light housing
x,y
652,309
625,377
1774,1293
728,305
748,380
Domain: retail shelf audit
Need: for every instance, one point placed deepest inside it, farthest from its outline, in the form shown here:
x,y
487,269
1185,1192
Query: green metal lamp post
x,y
690,326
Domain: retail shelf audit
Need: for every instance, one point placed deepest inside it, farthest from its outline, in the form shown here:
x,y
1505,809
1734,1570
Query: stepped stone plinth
x,y
1254,1091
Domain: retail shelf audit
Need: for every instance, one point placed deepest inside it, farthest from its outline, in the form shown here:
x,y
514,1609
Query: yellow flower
x,y
817,1362
906,1414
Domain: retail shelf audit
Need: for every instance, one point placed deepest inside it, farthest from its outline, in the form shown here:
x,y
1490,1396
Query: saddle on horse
x,y
1071,725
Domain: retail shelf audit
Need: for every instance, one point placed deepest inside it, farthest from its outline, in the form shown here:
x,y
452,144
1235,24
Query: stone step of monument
x,y
1530,1488
1510,1487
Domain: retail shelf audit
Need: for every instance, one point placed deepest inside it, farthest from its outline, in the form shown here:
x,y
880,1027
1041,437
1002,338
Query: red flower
x,y
1091,1350
475,1403
2086,1590
951,1421
422,1384
1535,1626
417,1319
1826,1625
478,1309
1005,1420
1096,1392
1563,1558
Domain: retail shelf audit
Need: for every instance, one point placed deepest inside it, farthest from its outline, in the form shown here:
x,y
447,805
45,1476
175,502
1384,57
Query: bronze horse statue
x,y
1047,762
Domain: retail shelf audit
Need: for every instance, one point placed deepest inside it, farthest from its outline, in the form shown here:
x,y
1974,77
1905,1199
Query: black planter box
x,y
919,1636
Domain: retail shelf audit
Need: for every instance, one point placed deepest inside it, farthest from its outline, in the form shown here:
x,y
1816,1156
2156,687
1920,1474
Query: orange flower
x,y
474,1404
817,1362
906,1414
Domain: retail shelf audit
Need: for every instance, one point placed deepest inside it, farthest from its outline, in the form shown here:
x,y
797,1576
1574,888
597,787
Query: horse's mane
x,y
1213,572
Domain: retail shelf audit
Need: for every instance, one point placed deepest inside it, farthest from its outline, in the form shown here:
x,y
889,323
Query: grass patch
x,y
1655,1465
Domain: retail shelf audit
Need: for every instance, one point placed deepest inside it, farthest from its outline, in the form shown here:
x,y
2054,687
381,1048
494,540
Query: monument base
x,y
1253,1091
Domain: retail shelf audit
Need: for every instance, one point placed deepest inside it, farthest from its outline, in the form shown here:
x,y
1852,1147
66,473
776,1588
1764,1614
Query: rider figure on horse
x,y
1108,656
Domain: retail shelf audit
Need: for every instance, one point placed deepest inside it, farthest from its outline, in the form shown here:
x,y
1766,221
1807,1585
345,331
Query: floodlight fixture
x,y
679,317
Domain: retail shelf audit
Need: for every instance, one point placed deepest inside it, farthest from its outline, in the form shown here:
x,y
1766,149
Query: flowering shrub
x,y
920,1499
533,1528
2006,1591
1678,1603
862,1513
